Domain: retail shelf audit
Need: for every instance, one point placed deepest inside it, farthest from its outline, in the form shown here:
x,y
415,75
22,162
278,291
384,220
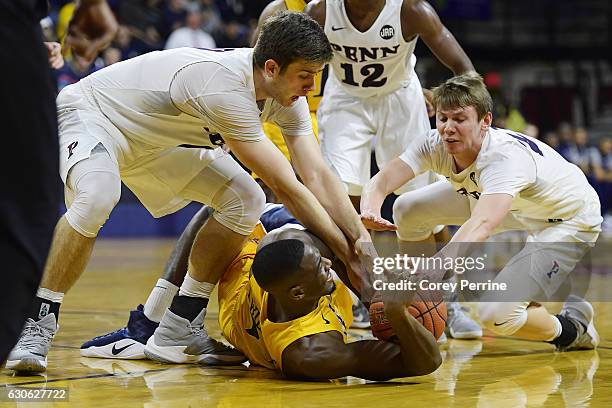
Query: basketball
x,y
432,315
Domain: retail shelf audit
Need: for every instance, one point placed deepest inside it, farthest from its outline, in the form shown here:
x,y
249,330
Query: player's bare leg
x,y
70,252
129,342
175,341
540,324
214,248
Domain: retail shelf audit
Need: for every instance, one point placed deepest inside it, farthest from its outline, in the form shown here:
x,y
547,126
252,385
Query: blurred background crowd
x,y
546,63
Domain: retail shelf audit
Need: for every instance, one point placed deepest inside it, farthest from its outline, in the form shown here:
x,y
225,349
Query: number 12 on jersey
x,y
372,74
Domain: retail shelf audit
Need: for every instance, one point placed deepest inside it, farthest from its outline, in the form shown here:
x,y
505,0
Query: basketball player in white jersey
x,y
499,180
155,123
372,89
373,92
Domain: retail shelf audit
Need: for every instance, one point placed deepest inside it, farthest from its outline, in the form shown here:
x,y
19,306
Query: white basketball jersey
x,y
544,185
189,96
370,63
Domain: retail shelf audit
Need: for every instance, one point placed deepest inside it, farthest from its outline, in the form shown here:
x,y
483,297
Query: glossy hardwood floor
x,y
492,372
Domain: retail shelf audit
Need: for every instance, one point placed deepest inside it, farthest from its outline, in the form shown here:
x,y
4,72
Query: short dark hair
x,y
288,36
276,261
462,91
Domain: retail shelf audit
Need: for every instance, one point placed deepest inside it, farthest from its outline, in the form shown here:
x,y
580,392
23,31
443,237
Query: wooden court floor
x,y
492,372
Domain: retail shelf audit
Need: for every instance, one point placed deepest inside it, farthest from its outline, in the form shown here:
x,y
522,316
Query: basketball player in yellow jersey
x,y
270,129
285,309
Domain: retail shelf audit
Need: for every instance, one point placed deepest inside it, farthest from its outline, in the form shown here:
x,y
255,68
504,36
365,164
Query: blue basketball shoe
x,y
125,343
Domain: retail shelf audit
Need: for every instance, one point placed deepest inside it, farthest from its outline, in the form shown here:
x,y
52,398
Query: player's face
x,y
460,129
296,80
318,271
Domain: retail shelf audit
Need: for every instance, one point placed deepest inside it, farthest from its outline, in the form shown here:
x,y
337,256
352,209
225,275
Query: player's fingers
x,y
430,109
57,62
384,225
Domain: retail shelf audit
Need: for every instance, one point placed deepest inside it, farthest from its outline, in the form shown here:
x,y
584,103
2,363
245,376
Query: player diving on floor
x,y
284,307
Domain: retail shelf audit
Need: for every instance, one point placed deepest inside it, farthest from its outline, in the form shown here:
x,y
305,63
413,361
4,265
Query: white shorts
x,y
552,250
348,125
156,175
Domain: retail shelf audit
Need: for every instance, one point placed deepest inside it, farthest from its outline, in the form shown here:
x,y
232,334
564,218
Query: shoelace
x,y
198,331
32,332
109,334
216,345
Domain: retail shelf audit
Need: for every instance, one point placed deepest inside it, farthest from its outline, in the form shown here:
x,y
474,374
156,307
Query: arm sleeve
x,y
507,172
419,155
295,120
220,98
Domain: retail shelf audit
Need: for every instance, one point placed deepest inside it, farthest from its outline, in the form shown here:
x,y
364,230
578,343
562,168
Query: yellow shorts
x,y
233,281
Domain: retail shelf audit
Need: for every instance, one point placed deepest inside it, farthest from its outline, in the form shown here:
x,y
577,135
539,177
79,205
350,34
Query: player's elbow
x,y
434,363
427,365
313,366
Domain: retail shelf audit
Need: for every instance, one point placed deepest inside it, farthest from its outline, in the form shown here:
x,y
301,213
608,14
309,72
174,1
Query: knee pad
x,y
410,215
503,318
94,192
239,204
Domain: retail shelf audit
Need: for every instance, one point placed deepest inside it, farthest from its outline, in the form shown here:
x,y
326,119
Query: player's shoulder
x,y
272,8
417,14
431,138
317,10
504,146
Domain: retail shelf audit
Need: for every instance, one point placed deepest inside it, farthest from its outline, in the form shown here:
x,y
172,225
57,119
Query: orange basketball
x,y
432,315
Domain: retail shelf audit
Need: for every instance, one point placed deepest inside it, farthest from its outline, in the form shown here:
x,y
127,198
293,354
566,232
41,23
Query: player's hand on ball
x,y
91,29
377,223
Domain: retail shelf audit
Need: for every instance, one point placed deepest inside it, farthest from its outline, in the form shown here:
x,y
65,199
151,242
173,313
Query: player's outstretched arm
x,y
486,216
395,174
326,356
419,18
263,158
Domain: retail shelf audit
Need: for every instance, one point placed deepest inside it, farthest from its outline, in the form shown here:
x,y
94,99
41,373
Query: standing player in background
x,y
500,180
30,200
373,91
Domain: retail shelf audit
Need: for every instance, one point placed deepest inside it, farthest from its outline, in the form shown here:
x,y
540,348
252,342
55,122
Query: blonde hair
x,y
462,91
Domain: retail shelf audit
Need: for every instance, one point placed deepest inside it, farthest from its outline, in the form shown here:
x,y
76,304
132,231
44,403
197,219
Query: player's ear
x,y
296,292
271,68
486,121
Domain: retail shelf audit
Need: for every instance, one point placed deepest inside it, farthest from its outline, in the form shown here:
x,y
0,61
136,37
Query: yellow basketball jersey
x,y
334,313
243,312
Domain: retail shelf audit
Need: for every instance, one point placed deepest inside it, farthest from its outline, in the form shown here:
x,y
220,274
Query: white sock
x,y
159,300
558,329
50,295
194,288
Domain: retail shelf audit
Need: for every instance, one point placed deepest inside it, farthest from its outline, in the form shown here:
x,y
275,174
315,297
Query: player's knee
x,y
239,204
503,318
96,195
410,216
